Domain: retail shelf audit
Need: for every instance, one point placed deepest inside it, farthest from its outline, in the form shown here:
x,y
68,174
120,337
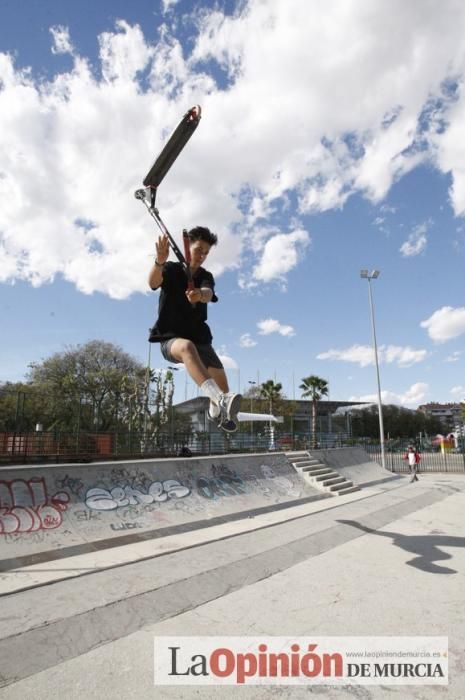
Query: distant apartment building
x,y
450,414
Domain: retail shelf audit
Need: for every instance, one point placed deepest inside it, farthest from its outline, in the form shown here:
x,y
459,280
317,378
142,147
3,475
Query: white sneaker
x,y
229,426
229,406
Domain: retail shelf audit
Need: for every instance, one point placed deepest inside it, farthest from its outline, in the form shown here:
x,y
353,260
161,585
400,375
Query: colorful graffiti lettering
x,y
119,496
26,507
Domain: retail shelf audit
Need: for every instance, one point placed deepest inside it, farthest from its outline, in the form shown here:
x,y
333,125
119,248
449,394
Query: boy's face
x,y
199,251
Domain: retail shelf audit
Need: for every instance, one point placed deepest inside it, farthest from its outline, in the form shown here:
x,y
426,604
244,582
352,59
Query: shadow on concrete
x,y
427,548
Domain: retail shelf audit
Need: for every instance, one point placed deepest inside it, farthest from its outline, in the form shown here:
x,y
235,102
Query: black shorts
x,y
206,353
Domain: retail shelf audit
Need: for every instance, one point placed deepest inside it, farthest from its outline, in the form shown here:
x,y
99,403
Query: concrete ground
x,y
389,562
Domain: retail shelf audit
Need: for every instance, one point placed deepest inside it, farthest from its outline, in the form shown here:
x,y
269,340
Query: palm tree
x,y
271,391
315,388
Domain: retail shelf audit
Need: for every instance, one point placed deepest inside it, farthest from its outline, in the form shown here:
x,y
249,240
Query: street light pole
x,y
171,416
251,411
148,377
364,274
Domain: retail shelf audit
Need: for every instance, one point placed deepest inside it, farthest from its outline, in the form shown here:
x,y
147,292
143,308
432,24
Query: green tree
x,y
315,388
93,386
268,398
399,422
271,392
21,407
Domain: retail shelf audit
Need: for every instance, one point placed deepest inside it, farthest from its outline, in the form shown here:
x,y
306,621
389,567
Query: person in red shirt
x,y
413,458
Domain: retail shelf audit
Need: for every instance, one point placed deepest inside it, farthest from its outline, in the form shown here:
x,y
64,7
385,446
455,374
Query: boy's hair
x,y
202,233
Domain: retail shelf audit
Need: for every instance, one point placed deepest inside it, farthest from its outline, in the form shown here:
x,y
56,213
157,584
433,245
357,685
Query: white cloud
x,y
270,325
404,357
61,40
445,323
246,341
124,53
227,360
360,354
168,5
448,146
387,209
363,355
272,132
414,396
458,392
416,242
280,255
454,357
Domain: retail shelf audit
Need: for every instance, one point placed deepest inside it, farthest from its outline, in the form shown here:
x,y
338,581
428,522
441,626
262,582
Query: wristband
x,y
159,264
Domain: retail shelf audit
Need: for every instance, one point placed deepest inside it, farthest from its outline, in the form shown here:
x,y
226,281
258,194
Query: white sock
x,y
211,389
213,410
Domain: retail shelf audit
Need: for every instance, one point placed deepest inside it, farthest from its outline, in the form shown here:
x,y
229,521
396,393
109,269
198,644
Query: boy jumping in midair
x,y
181,327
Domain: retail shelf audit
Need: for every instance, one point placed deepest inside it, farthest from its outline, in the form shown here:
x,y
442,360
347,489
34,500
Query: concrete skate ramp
x,y
355,464
49,512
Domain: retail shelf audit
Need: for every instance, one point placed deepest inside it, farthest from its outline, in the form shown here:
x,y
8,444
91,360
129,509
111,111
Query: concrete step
x,y
307,463
334,480
327,475
315,471
341,486
319,465
342,492
319,474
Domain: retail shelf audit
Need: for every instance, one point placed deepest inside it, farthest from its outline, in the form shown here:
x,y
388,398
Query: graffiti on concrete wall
x,y
136,490
76,486
119,496
125,526
281,483
25,506
223,482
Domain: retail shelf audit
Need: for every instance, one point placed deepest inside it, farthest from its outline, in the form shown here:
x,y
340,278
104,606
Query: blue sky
x,y
331,140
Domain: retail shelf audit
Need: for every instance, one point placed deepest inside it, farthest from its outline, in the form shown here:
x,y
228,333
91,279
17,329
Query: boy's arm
x,y
156,273
205,293
156,276
202,294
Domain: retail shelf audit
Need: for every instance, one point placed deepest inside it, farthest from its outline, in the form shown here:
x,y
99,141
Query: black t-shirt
x,y
177,317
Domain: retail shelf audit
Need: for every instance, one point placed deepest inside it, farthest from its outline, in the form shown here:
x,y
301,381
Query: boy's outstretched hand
x,y
194,295
163,249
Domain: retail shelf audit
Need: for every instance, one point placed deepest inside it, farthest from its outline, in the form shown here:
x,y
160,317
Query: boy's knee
x,y
186,348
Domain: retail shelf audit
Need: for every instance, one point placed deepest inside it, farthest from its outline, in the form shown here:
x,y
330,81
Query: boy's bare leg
x,y
212,381
185,351
219,375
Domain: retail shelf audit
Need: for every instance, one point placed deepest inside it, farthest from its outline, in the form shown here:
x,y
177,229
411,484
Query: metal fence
x,y
55,446
432,459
